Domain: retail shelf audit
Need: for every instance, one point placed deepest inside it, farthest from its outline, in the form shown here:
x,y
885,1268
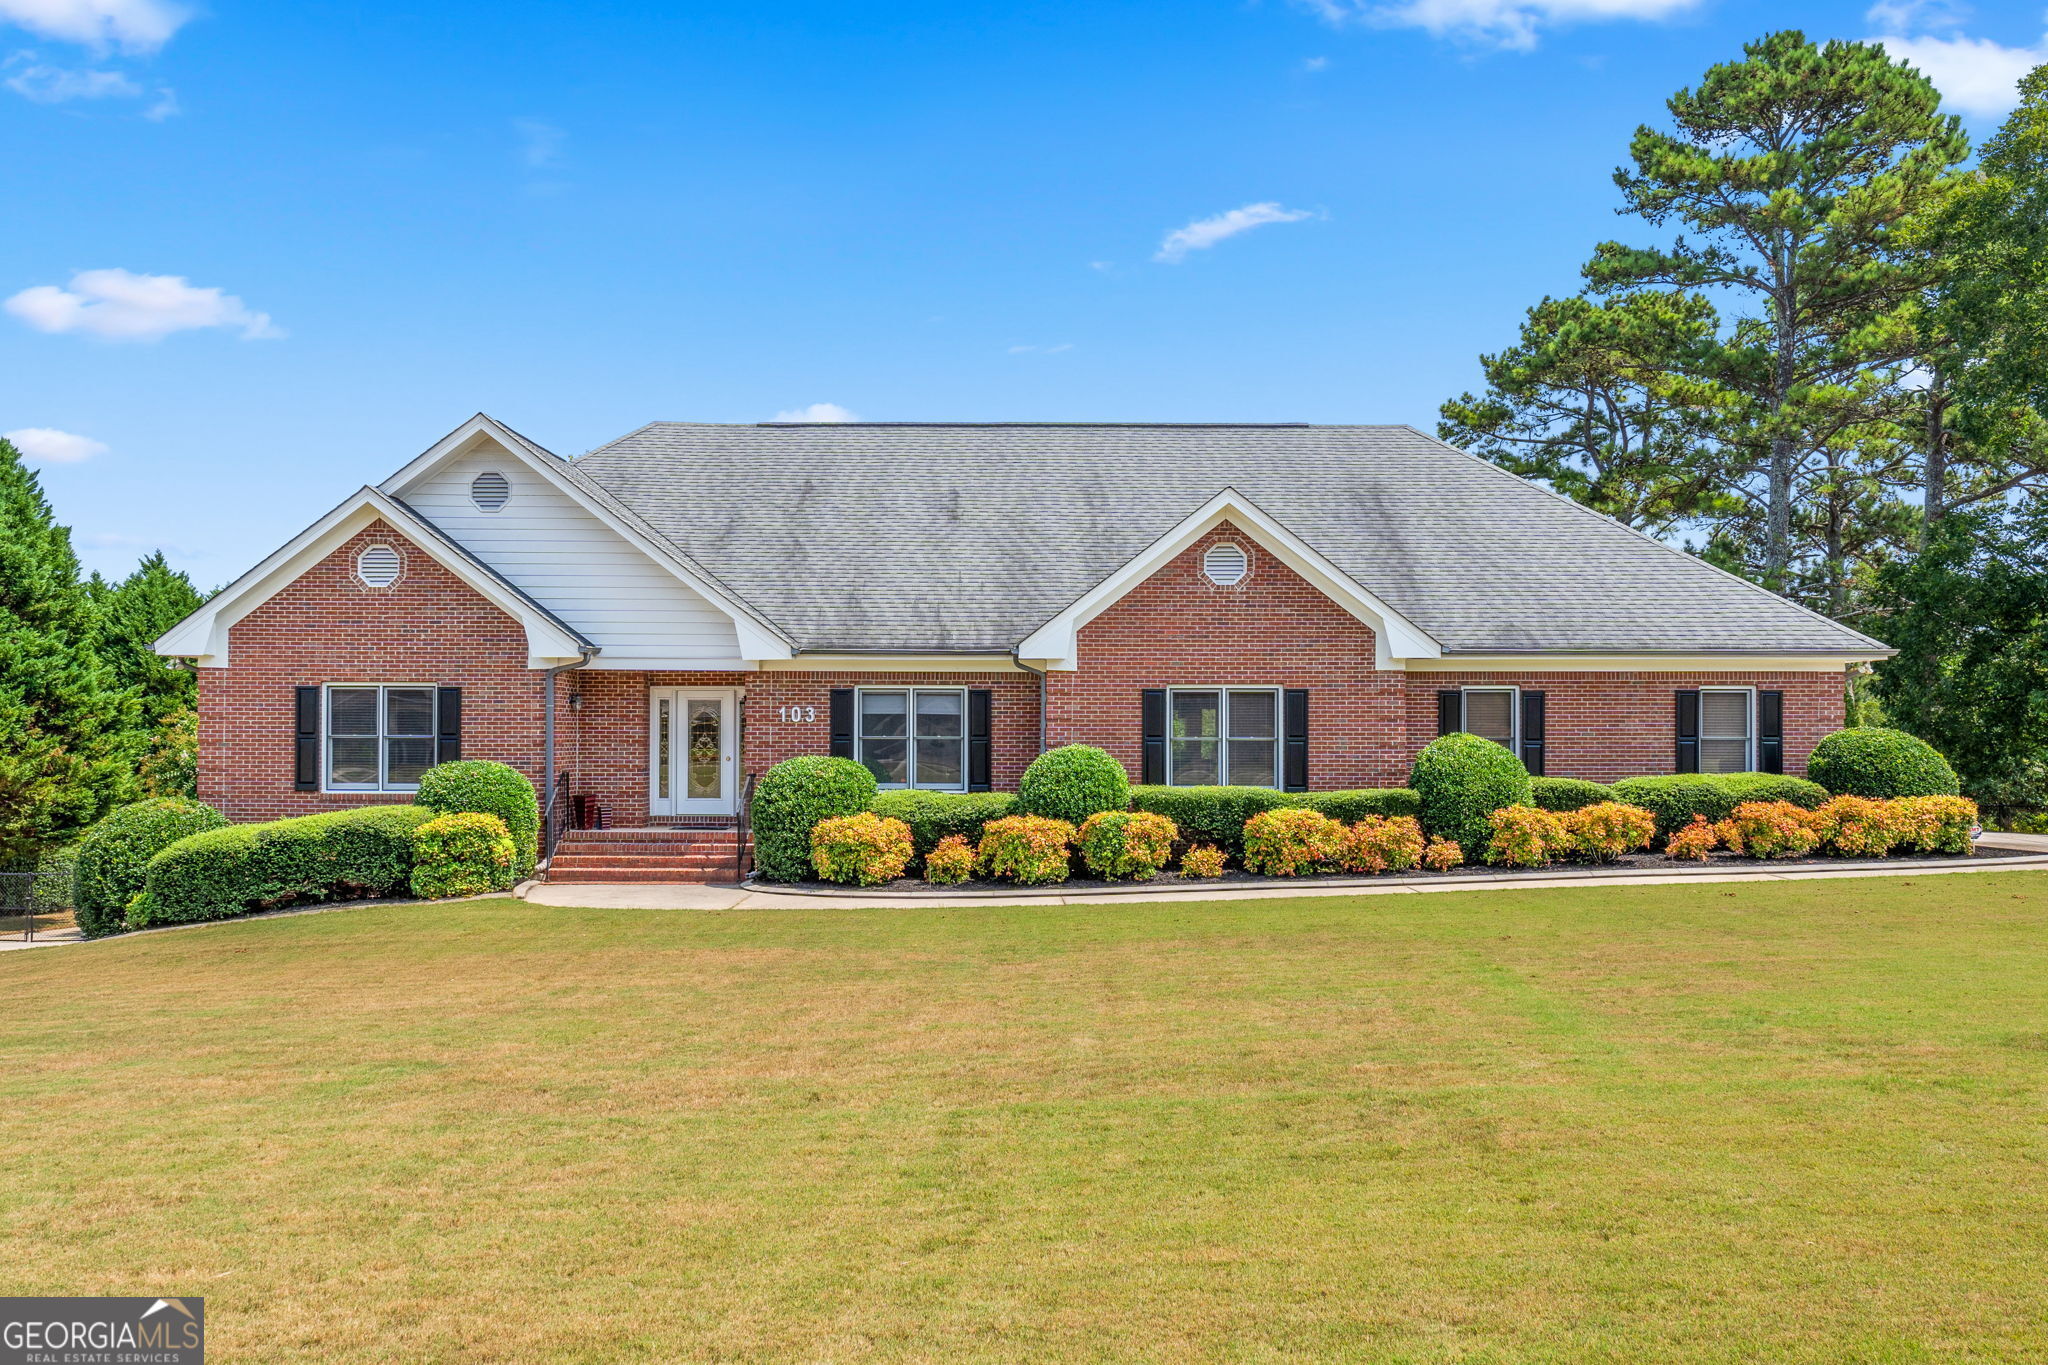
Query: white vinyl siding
x,y
1223,735
638,613
1727,730
1491,713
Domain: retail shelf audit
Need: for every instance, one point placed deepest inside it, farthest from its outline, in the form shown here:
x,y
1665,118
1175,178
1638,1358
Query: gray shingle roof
x,y
969,537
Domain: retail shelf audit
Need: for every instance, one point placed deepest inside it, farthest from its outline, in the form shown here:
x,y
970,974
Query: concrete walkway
x,y
647,896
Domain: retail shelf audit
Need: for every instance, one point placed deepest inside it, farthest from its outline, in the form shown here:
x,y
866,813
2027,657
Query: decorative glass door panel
x,y
692,747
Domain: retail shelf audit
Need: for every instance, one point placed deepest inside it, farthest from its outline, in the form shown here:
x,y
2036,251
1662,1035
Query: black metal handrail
x,y
556,818
742,827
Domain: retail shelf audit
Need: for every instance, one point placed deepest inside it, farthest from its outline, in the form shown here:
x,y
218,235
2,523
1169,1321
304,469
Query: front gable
x,y
1055,645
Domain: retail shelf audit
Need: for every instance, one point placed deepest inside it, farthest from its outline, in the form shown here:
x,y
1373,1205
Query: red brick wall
x,y
1605,726
1175,629
1273,629
608,749
428,627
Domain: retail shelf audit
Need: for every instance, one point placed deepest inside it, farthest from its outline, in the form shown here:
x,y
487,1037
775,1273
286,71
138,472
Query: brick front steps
x,y
675,855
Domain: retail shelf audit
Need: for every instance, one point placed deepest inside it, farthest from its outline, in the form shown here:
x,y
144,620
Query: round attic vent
x,y
1225,565
377,566
490,490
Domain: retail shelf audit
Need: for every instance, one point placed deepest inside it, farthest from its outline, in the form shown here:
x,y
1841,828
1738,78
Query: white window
x,y
380,738
1492,713
913,736
1224,735
1726,731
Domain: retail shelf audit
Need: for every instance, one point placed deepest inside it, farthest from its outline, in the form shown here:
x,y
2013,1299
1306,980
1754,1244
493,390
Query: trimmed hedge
x,y
466,853
791,798
1211,815
113,857
1561,794
56,873
1676,798
1126,843
1869,760
227,872
1360,802
1216,815
1462,779
934,815
478,787
1772,787
1073,782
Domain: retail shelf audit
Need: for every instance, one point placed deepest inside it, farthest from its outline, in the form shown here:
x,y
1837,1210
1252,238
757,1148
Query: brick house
x,y
1283,605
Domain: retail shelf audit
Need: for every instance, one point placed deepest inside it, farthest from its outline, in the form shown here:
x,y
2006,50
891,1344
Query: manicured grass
x,y
1789,1121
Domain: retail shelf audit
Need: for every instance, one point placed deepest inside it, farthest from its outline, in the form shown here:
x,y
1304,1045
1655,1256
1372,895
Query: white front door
x,y
692,747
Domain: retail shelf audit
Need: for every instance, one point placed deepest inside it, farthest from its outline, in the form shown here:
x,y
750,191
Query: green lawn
x,y
1786,1121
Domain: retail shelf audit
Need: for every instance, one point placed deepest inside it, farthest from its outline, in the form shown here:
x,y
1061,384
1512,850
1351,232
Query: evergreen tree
x,y
1590,400
134,614
66,744
1800,170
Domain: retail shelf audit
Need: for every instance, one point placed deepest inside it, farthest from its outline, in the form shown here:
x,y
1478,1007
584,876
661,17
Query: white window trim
x,y
910,690
1514,711
1749,751
1223,735
383,753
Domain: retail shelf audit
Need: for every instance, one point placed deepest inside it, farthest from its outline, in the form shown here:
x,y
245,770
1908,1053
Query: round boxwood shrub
x,y
464,854
114,854
477,787
1868,760
1073,782
1461,779
791,798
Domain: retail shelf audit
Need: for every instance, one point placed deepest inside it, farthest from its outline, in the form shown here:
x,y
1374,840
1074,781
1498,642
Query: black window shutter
x,y
447,724
1450,711
1770,732
306,772
1532,733
842,722
1295,767
1688,732
979,704
1153,769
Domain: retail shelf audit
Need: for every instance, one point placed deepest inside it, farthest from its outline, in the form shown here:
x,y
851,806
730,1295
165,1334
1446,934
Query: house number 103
x,y
797,714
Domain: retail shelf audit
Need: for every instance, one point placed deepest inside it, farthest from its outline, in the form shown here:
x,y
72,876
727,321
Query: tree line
x,y
91,716
1821,361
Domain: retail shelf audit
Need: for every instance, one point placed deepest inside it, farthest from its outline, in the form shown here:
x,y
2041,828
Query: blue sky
x,y
257,255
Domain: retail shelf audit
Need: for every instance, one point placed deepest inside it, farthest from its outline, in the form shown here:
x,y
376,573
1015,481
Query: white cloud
x,y
540,144
1513,24
54,84
136,25
1975,75
121,306
817,412
1315,64
51,446
1204,233
166,106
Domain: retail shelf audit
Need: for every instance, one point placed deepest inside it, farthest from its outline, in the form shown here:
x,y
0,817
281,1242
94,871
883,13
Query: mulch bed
x,y
1235,879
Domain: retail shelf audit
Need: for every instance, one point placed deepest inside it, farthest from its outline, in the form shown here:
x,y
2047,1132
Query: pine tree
x,y
67,750
134,614
1800,170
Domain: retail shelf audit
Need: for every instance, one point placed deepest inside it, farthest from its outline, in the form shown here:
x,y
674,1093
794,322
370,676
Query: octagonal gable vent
x,y
1225,564
490,490
377,566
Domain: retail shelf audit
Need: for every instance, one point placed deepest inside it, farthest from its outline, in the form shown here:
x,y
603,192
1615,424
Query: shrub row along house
x,y
1291,606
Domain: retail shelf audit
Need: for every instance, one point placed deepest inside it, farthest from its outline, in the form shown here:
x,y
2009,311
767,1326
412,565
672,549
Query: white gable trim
x,y
203,636
758,638
1054,644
